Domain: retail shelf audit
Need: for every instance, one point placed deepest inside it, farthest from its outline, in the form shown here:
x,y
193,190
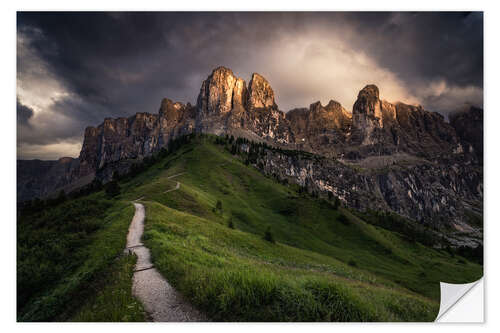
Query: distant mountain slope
x,y
40,179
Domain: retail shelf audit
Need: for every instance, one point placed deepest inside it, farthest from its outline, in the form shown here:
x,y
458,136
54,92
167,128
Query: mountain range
x,y
382,156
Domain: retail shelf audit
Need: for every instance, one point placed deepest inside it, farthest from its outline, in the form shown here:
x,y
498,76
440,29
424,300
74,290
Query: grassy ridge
x,y
62,250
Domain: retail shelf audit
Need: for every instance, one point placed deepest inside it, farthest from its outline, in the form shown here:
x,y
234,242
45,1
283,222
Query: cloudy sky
x,y
75,69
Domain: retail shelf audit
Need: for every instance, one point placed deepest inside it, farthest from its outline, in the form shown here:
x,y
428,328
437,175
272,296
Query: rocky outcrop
x,y
226,105
321,129
260,93
382,128
216,93
468,125
367,117
134,137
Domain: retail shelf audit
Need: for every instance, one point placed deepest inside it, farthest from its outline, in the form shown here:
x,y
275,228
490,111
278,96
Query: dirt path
x,y
177,186
160,300
179,174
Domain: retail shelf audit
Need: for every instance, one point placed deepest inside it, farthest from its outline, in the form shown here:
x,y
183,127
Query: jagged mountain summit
x,y
385,156
225,105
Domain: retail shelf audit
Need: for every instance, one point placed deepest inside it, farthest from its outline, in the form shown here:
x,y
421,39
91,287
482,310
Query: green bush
x,y
218,206
112,189
343,219
230,223
268,235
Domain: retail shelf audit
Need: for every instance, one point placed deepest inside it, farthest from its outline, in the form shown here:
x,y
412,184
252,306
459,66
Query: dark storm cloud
x,y
425,45
24,113
116,64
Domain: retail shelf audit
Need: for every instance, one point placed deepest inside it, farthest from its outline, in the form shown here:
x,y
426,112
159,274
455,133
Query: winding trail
x,y
177,185
161,301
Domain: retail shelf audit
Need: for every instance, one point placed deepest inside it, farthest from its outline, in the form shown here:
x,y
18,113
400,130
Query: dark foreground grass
x,y
62,250
111,297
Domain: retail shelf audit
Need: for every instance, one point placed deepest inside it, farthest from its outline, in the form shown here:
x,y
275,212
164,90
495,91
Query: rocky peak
x,y
331,116
369,91
260,93
334,105
367,117
216,93
368,103
170,111
315,107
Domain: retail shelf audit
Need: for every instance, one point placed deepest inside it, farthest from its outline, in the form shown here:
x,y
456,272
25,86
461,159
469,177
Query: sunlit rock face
x,y
226,105
216,94
367,116
220,94
262,114
320,128
174,119
239,93
260,93
422,132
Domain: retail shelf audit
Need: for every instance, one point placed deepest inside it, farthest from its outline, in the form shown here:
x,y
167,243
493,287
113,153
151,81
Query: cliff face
x,y
439,196
381,128
468,125
322,129
226,105
389,156
134,137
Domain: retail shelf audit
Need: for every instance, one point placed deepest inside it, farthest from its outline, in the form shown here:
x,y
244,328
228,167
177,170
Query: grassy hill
x,y
324,263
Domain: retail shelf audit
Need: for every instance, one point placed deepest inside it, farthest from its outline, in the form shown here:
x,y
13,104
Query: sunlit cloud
x,y
48,151
312,66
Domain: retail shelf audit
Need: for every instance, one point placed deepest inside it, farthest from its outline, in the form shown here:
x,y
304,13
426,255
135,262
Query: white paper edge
x,y
461,303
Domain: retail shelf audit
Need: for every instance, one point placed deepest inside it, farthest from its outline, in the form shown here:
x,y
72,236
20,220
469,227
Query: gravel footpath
x,y
161,301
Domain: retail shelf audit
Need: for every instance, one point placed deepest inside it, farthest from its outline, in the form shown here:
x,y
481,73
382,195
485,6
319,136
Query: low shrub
x,y
268,235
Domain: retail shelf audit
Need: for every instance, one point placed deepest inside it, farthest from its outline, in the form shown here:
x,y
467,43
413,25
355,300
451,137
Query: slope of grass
x,y
238,276
348,250
64,249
